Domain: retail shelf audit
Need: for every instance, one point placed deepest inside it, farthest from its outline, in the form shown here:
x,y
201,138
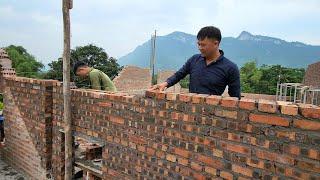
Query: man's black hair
x,y
77,65
209,32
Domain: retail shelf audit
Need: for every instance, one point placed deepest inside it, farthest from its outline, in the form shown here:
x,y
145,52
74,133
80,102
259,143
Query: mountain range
x,y
174,49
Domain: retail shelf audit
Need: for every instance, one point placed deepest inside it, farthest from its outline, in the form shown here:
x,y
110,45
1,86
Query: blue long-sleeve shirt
x,y
209,79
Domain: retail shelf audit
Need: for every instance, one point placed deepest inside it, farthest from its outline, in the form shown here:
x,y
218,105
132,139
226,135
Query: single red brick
x,y
213,100
172,96
196,166
160,95
310,165
183,161
185,97
286,134
255,163
309,111
307,125
198,176
226,175
150,94
288,108
236,148
199,98
242,170
150,151
210,170
267,106
269,119
116,119
274,157
226,113
182,152
314,154
229,102
171,158
248,104
210,161
292,149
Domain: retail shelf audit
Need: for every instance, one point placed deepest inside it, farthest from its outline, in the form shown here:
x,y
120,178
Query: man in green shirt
x,y
98,79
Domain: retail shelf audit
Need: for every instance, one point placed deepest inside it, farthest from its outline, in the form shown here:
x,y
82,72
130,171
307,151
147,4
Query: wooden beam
x,y
66,90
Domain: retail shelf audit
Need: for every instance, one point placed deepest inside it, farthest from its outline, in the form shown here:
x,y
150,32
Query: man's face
x,y
208,47
82,71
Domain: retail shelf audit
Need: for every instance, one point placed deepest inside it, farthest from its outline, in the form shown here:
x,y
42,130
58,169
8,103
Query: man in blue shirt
x,y
210,72
1,127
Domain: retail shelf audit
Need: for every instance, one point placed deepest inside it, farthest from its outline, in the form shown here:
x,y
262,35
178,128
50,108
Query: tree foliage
x,y
24,63
94,56
264,79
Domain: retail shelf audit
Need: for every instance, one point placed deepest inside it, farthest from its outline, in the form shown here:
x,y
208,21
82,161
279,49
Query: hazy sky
x,y
120,25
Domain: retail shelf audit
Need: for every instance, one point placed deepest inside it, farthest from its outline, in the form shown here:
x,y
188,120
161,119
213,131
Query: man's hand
x,y
161,86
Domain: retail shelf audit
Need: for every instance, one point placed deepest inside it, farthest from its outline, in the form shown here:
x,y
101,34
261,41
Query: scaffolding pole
x,y
66,6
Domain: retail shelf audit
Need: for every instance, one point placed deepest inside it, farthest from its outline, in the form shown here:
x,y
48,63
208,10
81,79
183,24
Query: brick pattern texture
x,y
170,135
28,126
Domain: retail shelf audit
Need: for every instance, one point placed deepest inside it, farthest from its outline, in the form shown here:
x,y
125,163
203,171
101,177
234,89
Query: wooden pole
x,y
66,6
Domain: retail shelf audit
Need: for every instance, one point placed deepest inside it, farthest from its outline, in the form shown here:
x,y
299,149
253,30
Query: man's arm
x,y
234,83
180,74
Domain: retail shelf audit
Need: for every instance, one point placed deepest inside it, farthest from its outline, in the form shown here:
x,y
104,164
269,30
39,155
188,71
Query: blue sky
x,y
120,25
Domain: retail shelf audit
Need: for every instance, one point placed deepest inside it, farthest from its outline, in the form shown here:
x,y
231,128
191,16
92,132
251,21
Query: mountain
x,y
174,49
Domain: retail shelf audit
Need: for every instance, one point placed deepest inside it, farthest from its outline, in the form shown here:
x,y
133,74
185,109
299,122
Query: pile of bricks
x,y
312,75
171,135
133,79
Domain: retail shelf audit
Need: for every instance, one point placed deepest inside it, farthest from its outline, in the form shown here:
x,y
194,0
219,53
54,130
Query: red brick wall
x,y
175,136
28,126
5,72
196,136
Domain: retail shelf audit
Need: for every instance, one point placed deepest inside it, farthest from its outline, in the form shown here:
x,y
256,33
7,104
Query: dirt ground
x,y
8,173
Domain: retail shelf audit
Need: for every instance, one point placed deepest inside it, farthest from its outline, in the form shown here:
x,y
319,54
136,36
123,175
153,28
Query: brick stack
x,y
133,79
28,124
311,78
4,73
163,76
193,136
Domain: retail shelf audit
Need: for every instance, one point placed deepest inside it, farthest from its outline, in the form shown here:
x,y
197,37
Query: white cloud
x,y
120,25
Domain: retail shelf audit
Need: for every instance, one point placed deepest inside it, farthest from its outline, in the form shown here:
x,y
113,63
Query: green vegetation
x,y
94,56
263,80
24,63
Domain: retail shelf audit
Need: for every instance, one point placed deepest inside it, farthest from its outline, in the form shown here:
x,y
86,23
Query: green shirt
x,y
100,81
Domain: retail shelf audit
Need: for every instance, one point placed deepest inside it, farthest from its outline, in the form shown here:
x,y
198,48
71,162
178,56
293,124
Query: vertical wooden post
x,y
66,6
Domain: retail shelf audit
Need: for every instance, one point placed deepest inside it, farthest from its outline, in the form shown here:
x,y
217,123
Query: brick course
x,y
172,136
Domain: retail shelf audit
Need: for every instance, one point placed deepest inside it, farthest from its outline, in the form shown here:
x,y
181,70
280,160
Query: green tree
x,y
264,79
24,63
94,56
